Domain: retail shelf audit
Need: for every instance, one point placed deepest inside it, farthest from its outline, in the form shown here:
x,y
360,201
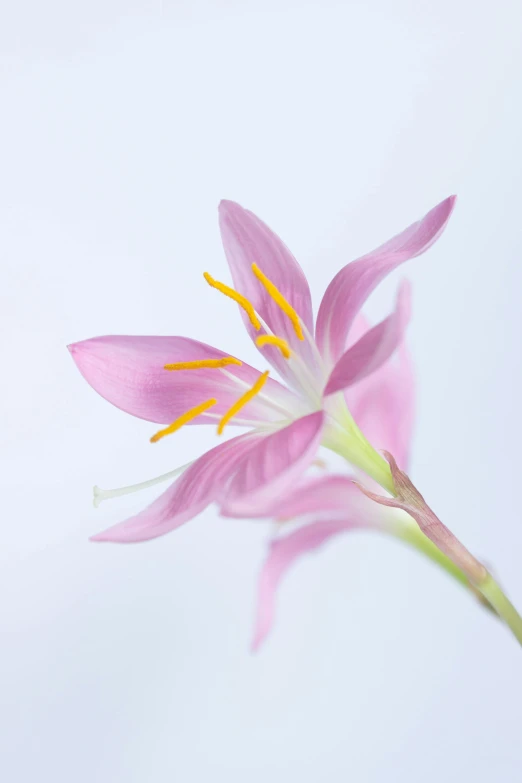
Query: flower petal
x,y
383,406
129,372
272,467
201,484
282,554
373,349
247,240
350,288
335,492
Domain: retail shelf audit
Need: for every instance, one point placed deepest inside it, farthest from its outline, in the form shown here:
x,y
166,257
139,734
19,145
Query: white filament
x,y
313,344
253,423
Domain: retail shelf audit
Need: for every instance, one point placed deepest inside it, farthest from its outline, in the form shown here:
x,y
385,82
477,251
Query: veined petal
x,y
283,553
129,372
271,468
201,484
246,241
383,406
374,348
350,288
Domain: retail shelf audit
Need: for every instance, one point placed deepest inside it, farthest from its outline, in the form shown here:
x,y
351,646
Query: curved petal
x,y
201,484
350,288
247,240
282,554
383,406
272,467
374,348
336,492
129,372
358,329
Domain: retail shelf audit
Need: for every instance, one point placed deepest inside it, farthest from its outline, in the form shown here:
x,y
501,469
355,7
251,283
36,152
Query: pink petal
x,y
247,240
272,467
129,372
202,483
283,553
350,288
373,349
335,492
383,406
358,329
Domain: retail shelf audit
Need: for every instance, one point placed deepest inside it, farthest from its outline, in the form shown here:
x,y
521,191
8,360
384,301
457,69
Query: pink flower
x,y
176,380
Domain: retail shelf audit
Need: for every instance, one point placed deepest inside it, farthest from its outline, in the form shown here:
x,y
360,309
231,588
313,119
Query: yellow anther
x,y
279,299
188,416
247,396
270,339
239,298
202,364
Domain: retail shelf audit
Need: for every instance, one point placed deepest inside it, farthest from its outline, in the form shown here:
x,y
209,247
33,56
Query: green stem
x,y
358,451
487,591
347,440
502,606
408,531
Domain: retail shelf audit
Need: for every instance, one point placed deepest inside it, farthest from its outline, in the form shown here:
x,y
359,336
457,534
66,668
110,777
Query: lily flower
x,y
177,381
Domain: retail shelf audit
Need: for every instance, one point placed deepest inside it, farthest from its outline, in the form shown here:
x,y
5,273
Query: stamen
x,y
270,339
239,298
188,416
246,397
279,299
203,363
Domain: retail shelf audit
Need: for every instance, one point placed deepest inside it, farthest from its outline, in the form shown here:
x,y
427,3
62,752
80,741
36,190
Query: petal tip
x,y
97,538
79,348
446,207
77,353
226,207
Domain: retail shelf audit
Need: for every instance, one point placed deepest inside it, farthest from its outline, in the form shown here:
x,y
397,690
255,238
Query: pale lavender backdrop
x,y
123,124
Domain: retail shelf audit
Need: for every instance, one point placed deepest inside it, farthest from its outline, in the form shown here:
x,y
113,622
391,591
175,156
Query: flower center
x,y
264,339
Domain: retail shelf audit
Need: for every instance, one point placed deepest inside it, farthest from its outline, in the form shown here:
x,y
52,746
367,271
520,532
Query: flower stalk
x,y
436,541
494,595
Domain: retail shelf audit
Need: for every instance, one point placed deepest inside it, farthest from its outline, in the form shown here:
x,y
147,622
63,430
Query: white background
x,y
123,124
